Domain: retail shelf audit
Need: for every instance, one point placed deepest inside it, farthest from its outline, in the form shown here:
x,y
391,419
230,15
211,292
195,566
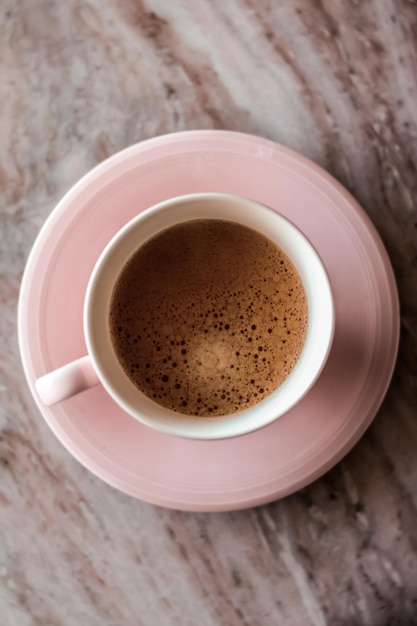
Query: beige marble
x,y
334,79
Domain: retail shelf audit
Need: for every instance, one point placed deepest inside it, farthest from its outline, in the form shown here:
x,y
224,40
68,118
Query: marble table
x,y
333,79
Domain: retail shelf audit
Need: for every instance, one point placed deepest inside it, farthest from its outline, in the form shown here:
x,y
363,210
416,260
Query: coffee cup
x,y
201,341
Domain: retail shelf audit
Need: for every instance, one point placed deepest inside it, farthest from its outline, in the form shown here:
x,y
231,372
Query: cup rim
x,y
174,423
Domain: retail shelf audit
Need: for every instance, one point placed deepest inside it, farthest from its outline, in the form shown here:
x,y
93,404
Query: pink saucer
x,y
298,447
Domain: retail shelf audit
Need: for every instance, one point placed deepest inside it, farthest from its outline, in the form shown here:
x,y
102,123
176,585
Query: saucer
x,y
297,448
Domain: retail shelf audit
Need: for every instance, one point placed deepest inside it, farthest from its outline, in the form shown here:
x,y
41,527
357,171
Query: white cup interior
x,y
212,206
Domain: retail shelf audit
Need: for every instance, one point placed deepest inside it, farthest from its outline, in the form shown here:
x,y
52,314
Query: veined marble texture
x,y
335,80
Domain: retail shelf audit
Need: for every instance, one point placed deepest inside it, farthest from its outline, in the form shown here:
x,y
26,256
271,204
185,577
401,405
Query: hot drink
x,y
208,318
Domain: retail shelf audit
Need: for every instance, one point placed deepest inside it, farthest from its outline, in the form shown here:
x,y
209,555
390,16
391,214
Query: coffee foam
x,y
208,318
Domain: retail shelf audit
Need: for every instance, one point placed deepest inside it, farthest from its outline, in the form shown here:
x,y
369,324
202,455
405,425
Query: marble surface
x,y
333,79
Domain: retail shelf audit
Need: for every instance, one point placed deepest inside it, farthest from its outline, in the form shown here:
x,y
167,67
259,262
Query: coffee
x,y
208,317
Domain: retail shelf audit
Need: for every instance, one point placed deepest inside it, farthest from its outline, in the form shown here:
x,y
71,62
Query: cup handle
x,y
66,381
